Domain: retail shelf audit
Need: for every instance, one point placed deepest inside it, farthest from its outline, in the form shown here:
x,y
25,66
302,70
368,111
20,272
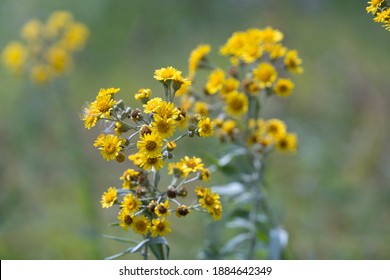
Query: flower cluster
x,y
45,49
381,10
260,64
149,136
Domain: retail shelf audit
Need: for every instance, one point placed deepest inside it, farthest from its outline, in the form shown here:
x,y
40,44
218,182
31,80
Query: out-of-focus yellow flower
x,y
275,128
40,73
58,59
196,57
265,73
215,81
205,128
283,87
75,36
288,143
32,30
293,62
236,104
14,56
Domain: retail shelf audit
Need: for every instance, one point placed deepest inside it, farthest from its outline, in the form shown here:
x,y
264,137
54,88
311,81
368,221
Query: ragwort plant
x,y
148,137
381,11
234,101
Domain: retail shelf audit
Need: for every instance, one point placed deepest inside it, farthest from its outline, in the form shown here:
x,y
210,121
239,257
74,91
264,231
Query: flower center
x,y
151,145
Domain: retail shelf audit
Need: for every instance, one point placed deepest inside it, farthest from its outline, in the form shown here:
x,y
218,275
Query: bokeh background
x,y
333,197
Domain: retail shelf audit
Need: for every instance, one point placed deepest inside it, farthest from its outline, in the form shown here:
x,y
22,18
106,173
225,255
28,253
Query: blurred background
x,y
333,197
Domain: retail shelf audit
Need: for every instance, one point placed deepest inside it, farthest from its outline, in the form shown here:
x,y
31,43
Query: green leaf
x,y
139,246
241,223
231,245
119,239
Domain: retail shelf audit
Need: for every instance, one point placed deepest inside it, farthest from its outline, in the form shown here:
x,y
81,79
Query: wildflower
x,y
143,94
159,227
209,200
108,91
383,16
287,143
229,85
103,105
109,146
177,169
58,59
31,30
205,174
276,128
109,197
201,108
200,191
216,211
265,73
171,145
251,52
276,50
163,126
165,74
215,81
283,87
205,128
137,158
140,224
90,116
197,56
56,22
150,144
271,36
75,36
293,62
125,218
374,5
152,104
228,127
162,209
183,89
182,211
40,73
167,110
236,104
14,56
131,203
191,164
128,176
148,163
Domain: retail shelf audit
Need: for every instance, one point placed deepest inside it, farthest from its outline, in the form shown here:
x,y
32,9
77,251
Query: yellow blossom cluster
x,y
149,135
381,11
45,49
260,68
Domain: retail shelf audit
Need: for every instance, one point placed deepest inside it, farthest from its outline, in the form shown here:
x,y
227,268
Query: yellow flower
x,y
236,104
75,36
160,227
40,73
209,200
287,143
216,211
137,158
148,163
125,218
56,22
90,116
205,174
140,224
183,89
251,53
228,127
205,128
109,197
229,85
265,73
293,62
234,46
108,91
163,126
383,16
59,59
109,146
150,145
201,108
143,93
374,5
283,87
103,105
167,110
128,176
131,203
14,56
165,74
215,81
162,209
151,105
271,36
276,50
191,164
176,168
275,128
31,30
196,57
182,211
200,191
